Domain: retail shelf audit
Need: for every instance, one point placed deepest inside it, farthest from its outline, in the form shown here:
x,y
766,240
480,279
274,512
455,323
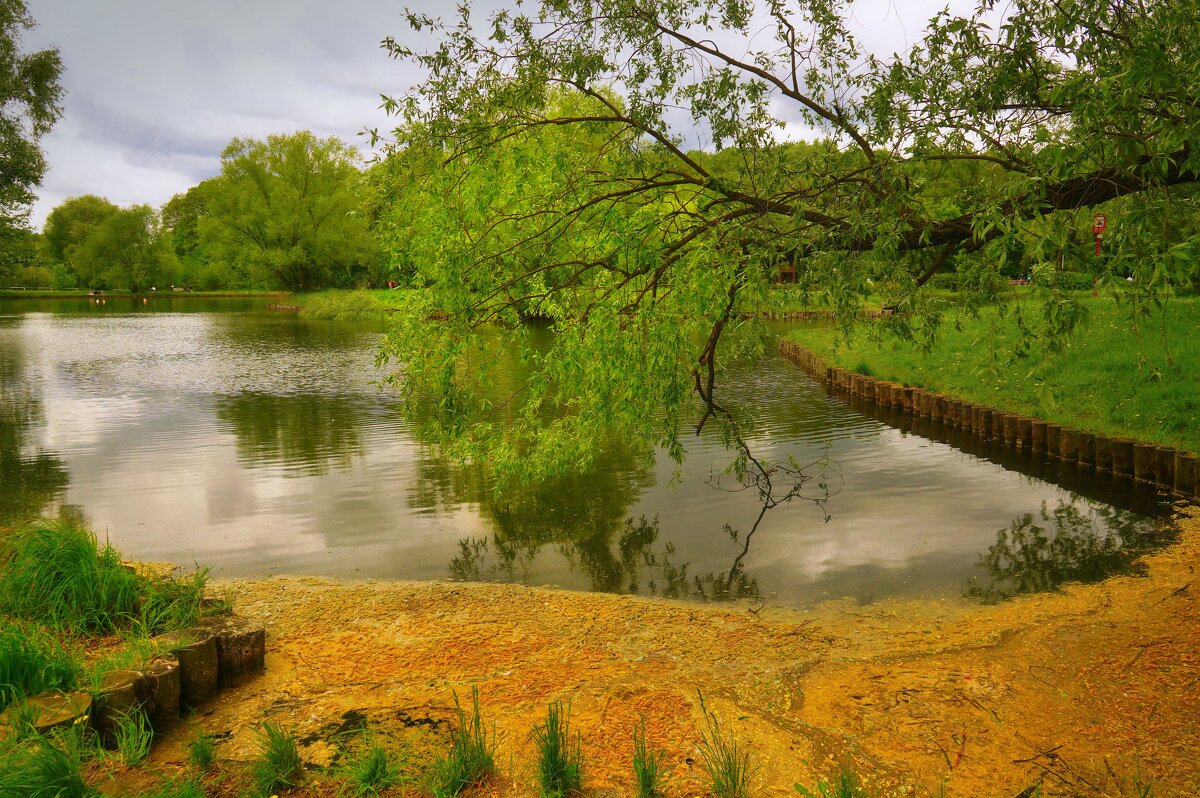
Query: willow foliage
x,y
540,172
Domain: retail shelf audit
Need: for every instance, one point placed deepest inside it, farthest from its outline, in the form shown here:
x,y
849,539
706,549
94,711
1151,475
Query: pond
x,y
218,432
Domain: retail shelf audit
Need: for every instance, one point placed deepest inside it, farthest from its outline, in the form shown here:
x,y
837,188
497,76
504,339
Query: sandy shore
x,y
1080,691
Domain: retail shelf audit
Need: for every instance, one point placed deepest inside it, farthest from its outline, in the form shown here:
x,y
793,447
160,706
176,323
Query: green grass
x,y
647,767
846,785
560,758
175,788
32,661
202,752
133,736
725,761
372,771
57,574
344,305
278,764
1111,376
42,768
471,758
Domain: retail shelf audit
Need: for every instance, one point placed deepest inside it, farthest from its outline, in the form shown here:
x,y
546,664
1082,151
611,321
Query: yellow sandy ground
x,y
1079,691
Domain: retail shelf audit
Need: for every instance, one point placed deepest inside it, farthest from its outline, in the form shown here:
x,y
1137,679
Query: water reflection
x,y
1064,545
641,564
308,434
260,442
30,477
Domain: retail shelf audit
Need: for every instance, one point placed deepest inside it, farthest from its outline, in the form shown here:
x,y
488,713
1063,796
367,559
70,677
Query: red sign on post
x,y
1099,222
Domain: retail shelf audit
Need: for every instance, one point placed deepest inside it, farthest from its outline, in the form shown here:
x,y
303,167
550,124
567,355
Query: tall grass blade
x,y
560,758
727,764
647,767
471,758
278,765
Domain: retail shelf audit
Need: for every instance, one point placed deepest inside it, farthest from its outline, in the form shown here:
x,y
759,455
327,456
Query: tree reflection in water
x,y
641,566
30,477
308,434
1066,545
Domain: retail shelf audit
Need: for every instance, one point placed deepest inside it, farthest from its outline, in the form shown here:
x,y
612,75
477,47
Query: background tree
x,y
126,249
67,227
290,209
23,258
29,107
1051,109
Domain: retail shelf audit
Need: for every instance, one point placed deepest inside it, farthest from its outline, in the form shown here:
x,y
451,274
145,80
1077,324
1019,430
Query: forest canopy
x,y
545,160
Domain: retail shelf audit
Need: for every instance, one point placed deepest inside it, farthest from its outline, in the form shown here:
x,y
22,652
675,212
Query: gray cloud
x,y
157,88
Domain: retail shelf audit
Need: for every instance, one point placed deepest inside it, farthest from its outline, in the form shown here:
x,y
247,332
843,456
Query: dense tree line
x,y
289,212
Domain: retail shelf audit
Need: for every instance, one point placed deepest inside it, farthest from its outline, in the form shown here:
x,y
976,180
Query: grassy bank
x,y
341,305
46,293
1111,376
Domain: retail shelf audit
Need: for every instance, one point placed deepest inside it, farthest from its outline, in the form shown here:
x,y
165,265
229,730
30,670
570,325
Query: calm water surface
x,y
220,433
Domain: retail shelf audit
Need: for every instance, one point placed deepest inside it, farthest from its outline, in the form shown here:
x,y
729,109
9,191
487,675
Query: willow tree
x,y
644,256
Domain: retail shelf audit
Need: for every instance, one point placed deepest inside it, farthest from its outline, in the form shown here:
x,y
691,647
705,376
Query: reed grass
x,y
471,758
560,758
726,762
278,764
175,788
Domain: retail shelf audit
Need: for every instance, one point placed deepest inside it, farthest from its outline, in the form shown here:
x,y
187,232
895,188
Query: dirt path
x,y
1081,690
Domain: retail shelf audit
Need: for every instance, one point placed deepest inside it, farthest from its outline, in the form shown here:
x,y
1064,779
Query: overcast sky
x,y
155,89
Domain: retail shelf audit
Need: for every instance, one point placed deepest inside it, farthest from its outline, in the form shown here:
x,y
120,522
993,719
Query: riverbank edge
x,y
142,295
1166,467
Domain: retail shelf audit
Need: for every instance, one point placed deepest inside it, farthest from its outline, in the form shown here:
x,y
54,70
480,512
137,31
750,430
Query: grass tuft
x,y
372,772
278,765
647,767
56,573
471,758
133,736
560,759
727,764
202,752
32,661
42,768
175,788
847,785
